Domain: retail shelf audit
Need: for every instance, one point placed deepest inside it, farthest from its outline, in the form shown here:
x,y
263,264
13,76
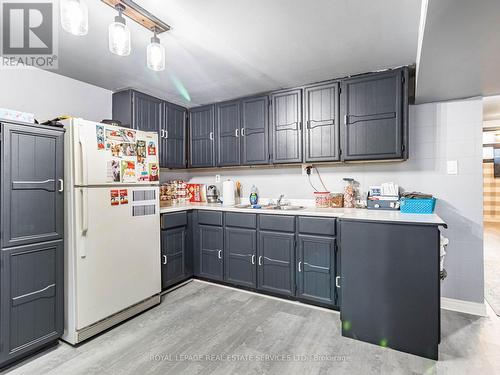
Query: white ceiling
x,y
222,49
460,56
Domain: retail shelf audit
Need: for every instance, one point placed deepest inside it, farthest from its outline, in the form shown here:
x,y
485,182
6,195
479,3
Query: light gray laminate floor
x,y
492,265
202,319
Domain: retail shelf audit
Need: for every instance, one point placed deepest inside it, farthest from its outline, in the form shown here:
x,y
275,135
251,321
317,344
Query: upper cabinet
x,y
144,112
254,132
202,136
286,126
173,136
321,118
375,116
228,133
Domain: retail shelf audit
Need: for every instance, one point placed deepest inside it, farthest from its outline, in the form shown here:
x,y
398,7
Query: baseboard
x,y
467,307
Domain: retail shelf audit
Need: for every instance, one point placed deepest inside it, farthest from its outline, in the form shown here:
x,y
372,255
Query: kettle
x,y
212,194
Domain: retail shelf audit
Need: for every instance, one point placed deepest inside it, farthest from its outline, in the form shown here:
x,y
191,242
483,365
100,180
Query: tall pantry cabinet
x,y
32,238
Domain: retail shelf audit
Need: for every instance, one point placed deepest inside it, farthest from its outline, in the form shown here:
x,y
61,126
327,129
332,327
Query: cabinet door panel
x,y
31,297
228,129
321,137
287,126
175,137
201,137
240,248
316,269
373,116
173,259
276,261
255,130
147,112
32,205
211,244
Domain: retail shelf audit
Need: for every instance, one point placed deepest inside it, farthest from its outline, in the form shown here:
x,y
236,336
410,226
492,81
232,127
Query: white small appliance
x,y
228,193
112,226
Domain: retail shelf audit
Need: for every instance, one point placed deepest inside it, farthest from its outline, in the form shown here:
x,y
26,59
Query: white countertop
x,y
342,213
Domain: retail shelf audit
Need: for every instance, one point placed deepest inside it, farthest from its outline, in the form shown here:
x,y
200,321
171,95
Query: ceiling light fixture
x,y
74,17
156,54
119,34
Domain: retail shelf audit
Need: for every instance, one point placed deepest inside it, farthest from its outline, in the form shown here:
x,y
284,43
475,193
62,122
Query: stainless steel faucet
x,y
278,202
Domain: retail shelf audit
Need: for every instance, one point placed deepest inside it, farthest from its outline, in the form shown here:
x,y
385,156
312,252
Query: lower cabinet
x,y
240,256
211,245
173,256
276,262
32,292
316,269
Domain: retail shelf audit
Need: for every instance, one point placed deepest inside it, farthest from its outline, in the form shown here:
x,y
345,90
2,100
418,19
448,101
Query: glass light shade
x,y
156,55
119,37
74,16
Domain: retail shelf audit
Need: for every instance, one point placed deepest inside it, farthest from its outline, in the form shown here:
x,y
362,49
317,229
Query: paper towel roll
x,y
228,193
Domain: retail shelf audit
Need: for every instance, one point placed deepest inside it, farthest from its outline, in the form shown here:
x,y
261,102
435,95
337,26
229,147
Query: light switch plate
x,y
217,178
452,167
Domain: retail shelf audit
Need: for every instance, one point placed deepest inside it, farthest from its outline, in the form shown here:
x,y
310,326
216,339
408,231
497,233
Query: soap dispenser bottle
x,y
254,196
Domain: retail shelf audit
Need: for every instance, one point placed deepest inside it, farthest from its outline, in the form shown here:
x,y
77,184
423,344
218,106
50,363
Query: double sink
x,y
273,207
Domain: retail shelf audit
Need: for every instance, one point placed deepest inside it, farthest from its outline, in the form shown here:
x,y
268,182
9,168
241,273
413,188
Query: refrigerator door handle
x,y
85,214
83,157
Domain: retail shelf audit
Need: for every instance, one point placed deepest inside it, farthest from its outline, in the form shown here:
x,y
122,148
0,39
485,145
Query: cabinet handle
x,y
61,185
166,134
219,254
300,270
236,133
253,259
260,260
346,118
164,259
242,132
211,136
337,281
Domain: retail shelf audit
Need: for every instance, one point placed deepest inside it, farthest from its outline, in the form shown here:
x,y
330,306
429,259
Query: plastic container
x,y
349,193
417,205
322,199
336,200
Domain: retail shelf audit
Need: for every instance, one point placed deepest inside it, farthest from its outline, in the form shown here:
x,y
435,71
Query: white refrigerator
x,y
112,226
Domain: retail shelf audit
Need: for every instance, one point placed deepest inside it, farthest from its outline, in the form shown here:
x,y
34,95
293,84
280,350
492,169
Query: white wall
x,y
49,95
438,132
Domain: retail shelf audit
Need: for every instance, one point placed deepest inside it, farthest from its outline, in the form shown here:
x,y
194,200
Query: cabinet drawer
x,y
277,223
234,219
173,220
317,225
210,217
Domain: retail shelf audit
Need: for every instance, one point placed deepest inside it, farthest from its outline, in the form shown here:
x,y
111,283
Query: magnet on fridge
x,y
128,171
99,133
115,197
141,151
142,172
123,196
113,171
151,148
154,172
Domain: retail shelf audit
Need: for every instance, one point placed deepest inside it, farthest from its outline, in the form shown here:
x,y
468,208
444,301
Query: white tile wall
x,y
438,132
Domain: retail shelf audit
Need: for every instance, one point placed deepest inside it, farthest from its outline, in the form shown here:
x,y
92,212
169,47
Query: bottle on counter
x,y
254,196
349,193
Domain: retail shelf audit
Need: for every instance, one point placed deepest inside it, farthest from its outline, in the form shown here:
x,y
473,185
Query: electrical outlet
x,y
304,169
452,167
217,178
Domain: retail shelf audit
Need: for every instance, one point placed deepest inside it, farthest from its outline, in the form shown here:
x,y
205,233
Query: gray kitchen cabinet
x,y
276,262
210,252
240,252
137,110
390,285
202,137
375,112
286,126
316,269
32,181
228,133
255,130
322,130
173,137
173,256
32,292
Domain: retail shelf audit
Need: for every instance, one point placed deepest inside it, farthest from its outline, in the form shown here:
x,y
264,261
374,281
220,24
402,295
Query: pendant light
x,y
119,34
74,16
155,54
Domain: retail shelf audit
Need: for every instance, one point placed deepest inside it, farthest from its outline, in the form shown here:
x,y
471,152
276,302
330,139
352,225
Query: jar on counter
x,y
349,193
336,200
